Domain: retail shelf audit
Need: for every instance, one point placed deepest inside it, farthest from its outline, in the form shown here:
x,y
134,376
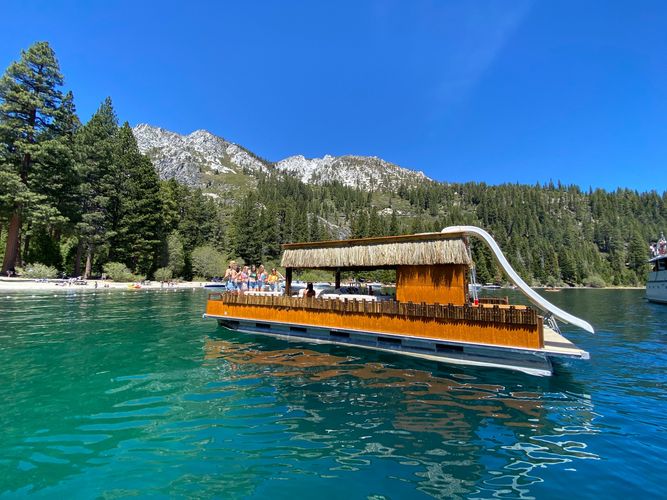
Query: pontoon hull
x,y
530,361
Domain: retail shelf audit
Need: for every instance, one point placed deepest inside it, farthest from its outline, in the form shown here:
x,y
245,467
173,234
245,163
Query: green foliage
x,y
43,248
175,254
138,224
163,274
117,271
595,281
637,253
249,224
208,262
315,275
100,181
551,233
33,139
38,270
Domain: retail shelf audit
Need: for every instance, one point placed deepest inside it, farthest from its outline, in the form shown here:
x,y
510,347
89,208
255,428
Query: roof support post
x,y
288,281
337,279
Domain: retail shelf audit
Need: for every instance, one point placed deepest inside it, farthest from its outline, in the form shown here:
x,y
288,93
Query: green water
x,y
123,394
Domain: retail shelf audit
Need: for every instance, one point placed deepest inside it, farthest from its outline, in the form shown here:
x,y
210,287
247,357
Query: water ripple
x,y
111,394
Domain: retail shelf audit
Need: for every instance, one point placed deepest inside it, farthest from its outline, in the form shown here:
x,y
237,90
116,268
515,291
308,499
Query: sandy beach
x,y
26,285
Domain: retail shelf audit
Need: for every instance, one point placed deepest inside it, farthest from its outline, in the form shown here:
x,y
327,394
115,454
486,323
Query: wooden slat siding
x,y
494,300
540,329
494,314
506,327
438,283
465,330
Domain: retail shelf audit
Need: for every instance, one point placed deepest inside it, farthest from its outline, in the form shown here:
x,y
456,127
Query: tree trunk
x,y
89,261
26,246
77,259
19,257
12,247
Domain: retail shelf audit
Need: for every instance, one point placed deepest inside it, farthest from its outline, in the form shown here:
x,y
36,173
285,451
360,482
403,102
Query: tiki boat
x,y
432,315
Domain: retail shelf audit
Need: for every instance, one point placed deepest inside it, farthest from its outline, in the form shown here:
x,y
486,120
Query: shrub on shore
x,y
118,271
38,271
163,274
595,281
208,262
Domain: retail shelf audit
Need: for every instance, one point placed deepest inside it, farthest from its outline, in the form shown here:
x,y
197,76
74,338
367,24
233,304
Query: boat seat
x,y
348,296
318,292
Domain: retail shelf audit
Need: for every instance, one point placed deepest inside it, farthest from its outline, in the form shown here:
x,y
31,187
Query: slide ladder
x,y
539,301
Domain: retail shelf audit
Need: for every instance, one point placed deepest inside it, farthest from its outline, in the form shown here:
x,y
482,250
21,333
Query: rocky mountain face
x,y
365,172
204,159
187,157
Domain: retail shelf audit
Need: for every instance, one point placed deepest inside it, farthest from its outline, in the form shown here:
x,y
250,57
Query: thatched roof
x,y
408,250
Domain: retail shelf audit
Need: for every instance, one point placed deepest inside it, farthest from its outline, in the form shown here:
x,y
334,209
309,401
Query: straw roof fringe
x,y
451,251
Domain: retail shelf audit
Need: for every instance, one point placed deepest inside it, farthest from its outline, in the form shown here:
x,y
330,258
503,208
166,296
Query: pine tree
x,y
394,227
315,229
172,195
56,180
198,220
375,224
300,224
359,225
269,227
175,254
637,254
100,196
138,230
30,100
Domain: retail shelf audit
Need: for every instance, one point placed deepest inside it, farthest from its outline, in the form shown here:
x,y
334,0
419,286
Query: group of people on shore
x,y
253,278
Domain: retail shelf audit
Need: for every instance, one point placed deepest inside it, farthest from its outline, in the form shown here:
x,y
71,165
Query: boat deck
x,y
557,345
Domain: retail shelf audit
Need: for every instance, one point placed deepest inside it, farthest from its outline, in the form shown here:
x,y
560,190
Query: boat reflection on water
x,y
436,422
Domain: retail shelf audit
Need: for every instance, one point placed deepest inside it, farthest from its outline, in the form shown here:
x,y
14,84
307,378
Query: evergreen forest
x,y
80,199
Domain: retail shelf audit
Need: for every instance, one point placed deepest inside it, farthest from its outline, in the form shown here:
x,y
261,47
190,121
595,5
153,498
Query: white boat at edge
x,y
656,285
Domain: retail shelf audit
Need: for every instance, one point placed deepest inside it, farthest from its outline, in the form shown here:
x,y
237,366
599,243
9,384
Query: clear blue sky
x,y
492,91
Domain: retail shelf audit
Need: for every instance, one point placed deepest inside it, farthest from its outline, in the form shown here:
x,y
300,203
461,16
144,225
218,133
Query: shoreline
x,y
29,285
26,285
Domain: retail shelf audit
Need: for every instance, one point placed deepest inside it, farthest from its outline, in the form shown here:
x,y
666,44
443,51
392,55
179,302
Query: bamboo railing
x,y
495,314
494,300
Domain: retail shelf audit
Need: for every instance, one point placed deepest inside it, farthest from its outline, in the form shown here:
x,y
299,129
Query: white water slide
x,y
534,297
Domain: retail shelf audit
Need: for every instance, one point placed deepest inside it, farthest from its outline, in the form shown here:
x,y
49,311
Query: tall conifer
x,y
138,230
100,197
30,100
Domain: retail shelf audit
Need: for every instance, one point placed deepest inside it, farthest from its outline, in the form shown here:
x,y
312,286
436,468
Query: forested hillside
x,y
82,199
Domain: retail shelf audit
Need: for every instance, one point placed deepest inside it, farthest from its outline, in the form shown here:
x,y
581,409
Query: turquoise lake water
x,y
123,394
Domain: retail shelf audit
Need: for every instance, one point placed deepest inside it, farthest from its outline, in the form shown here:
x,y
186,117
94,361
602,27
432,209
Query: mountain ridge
x,y
189,158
